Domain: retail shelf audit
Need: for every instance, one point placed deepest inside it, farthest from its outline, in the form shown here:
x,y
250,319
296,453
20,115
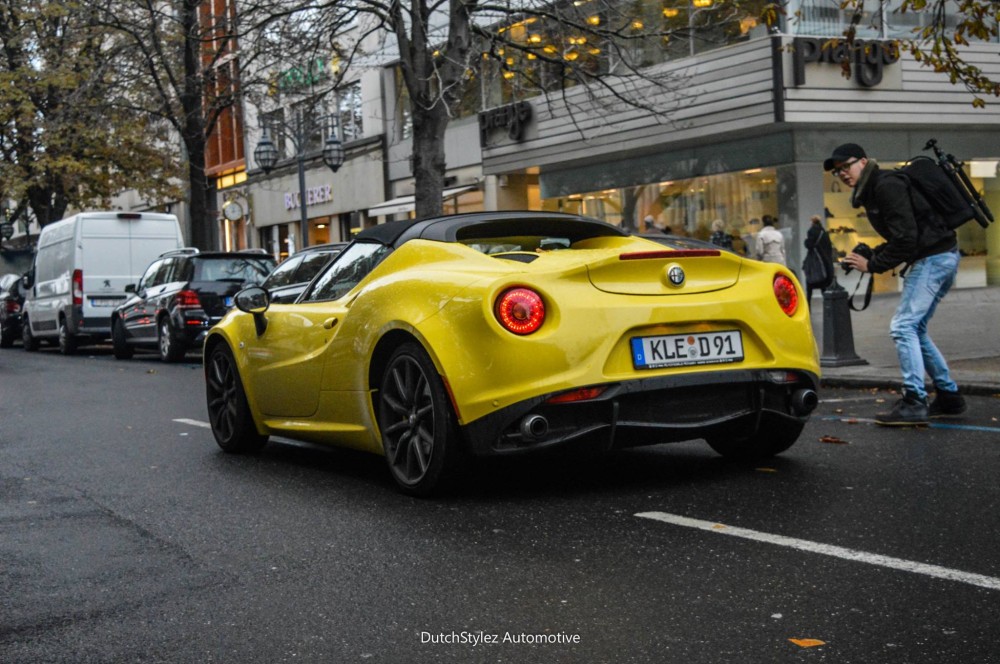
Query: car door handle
x,y
329,323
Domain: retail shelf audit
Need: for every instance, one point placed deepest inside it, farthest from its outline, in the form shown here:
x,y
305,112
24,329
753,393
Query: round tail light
x,y
520,310
786,294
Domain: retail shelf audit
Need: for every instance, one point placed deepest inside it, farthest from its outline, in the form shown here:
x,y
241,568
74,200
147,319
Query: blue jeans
x,y
927,281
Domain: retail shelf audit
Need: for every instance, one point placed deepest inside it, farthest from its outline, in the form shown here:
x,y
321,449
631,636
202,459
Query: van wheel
x,y
171,350
119,340
27,338
67,342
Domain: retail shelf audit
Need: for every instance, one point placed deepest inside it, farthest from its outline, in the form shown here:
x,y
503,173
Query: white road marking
x,y
980,580
194,423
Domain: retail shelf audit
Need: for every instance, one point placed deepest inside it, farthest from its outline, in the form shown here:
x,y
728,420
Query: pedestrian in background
x,y
817,268
916,235
770,243
719,235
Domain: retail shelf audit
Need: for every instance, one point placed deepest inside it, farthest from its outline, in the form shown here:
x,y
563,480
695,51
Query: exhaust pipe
x,y
804,401
534,426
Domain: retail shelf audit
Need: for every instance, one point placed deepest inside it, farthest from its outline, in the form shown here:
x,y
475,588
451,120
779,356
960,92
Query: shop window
x,y
684,207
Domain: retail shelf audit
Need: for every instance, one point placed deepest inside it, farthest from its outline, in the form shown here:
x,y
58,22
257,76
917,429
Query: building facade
x,y
742,134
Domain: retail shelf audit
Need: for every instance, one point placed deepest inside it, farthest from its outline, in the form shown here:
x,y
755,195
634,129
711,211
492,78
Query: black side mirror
x,y
254,300
28,279
130,288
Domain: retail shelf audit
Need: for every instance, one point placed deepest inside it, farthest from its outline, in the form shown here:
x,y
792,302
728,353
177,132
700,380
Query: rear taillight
x,y
188,299
12,306
520,310
78,288
786,294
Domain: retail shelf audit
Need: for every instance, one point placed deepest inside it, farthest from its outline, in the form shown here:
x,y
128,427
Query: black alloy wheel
x,y
119,340
228,410
171,349
419,433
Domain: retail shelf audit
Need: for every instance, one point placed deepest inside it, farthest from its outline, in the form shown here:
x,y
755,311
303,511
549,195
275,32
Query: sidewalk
x,y
966,328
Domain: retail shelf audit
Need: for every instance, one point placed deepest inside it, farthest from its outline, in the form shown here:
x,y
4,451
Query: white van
x,y
80,271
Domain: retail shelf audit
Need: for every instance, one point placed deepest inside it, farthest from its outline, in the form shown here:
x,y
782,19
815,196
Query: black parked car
x,y
294,273
11,301
180,296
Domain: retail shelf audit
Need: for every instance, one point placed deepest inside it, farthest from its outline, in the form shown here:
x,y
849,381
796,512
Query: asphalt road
x,y
126,535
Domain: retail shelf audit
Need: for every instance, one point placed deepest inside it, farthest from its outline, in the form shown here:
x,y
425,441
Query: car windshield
x,y
232,268
346,271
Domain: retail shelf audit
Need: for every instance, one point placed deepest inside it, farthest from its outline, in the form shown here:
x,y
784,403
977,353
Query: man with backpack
x,y
914,234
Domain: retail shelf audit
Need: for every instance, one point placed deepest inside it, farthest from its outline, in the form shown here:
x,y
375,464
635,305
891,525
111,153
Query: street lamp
x,y
266,155
694,8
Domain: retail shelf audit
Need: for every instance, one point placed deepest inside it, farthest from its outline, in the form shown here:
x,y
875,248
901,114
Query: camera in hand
x,y
861,249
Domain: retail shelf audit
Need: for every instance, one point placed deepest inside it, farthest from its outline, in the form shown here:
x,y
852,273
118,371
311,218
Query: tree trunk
x,y
428,160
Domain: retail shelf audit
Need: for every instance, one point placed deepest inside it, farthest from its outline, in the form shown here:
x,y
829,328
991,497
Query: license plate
x,y
105,302
678,350
228,301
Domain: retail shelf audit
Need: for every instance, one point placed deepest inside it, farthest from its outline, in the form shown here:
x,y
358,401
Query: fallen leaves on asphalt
x,y
808,643
832,439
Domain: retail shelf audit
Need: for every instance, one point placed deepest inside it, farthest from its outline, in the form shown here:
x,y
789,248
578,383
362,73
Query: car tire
x,y
228,411
119,340
761,445
6,336
27,338
419,433
171,349
67,342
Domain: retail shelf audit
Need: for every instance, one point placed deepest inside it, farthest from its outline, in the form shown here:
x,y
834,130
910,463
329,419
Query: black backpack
x,y
946,188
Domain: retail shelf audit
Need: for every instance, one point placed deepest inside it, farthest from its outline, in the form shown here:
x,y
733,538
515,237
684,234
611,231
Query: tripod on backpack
x,y
953,169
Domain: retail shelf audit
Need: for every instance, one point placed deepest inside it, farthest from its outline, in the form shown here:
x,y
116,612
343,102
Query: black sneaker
x,y
909,411
947,404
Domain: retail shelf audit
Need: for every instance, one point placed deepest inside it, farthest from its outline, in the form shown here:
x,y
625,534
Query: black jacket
x,y
894,211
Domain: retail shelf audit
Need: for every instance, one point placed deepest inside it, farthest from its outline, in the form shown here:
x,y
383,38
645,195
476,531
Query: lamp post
x,y
695,7
266,155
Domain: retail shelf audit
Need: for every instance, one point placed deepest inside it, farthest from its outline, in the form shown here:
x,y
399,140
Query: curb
x,y
968,388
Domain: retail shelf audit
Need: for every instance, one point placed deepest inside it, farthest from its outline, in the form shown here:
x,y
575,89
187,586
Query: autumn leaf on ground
x,y
808,643
833,439
839,411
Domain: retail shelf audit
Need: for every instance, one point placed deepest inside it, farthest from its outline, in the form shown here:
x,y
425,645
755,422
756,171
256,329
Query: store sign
x,y
868,58
512,117
312,73
314,195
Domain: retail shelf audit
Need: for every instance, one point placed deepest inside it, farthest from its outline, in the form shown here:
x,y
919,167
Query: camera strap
x,y
868,292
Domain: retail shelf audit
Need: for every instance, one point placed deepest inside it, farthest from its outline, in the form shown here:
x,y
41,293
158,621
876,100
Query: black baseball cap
x,y
843,153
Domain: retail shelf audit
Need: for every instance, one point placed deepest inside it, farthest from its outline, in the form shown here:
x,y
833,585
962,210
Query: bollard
x,y
838,335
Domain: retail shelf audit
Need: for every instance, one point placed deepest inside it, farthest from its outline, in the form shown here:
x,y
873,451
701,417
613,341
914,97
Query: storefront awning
x,y
407,203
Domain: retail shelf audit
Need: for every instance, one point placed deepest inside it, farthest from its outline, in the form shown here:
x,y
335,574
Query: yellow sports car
x,y
501,333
